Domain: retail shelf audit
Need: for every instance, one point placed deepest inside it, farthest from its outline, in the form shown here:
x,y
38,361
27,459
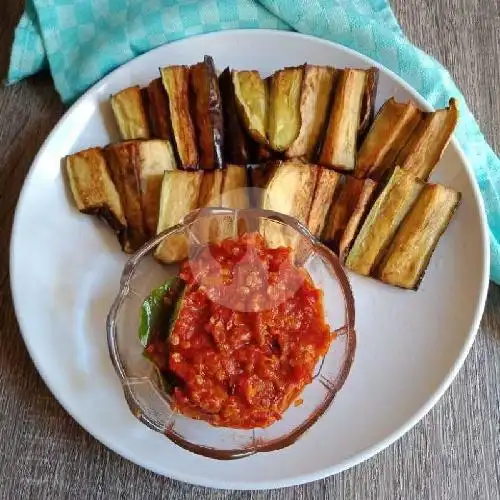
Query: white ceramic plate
x,y
65,269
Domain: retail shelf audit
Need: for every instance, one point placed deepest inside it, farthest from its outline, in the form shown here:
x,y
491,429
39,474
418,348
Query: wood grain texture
x,y
453,453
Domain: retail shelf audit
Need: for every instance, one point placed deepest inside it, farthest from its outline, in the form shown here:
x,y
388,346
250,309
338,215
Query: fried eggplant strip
x,y
316,92
179,195
237,145
176,83
425,147
326,184
347,213
411,250
284,121
289,191
92,188
235,187
383,221
122,159
387,136
339,145
130,114
368,104
208,113
251,94
155,157
158,110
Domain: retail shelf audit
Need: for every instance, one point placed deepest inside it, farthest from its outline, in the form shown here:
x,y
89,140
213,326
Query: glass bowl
x,y
139,377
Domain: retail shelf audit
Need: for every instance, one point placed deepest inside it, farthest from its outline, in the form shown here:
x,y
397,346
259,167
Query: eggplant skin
x,y
251,94
237,145
207,111
340,142
410,252
382,222
176,83
130,114
284,120
92,188
122,159
179,195
368,104
158,110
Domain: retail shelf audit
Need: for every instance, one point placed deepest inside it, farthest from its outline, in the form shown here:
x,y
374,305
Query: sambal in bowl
x,y
232,332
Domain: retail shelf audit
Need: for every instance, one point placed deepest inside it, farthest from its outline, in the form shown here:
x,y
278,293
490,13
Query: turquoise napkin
x,y
82,40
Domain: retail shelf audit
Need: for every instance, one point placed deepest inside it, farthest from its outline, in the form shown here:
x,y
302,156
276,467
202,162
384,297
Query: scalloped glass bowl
x,y
140,381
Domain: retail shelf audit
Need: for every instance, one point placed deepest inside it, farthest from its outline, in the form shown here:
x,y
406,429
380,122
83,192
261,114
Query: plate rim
x,y
364,454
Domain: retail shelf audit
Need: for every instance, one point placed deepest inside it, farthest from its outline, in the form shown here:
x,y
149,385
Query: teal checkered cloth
x,y
82,40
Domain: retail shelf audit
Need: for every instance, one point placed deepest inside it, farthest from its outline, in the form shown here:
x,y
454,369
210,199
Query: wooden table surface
x,y
453,453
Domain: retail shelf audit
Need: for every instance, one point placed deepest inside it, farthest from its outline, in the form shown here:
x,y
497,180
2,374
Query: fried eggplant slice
x,y
326,184
237,145
289,191
158,110
251,95
207,110
387,136
155,157
284,121
411,250
122,159
368,103
235,187
176,83
259,176
211,189
316,92
179,195
339,146
92,188
383,221
130,114
346,214
425,147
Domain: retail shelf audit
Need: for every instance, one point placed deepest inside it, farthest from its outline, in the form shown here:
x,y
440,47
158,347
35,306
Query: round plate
x,y
65,270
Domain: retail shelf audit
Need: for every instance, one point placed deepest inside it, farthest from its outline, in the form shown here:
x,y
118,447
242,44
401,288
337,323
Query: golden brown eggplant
x,y
346,214
317,87
410,252
237,145
154,158
339,146
326,184
92,188
251,95
393,126
283,124
179,195
289,191
176,83
122,159
208,113
383,221
368,104
211,189
158,110
425,147
235,193
130,114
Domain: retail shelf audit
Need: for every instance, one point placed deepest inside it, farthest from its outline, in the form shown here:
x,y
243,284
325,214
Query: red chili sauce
x,y
248,336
